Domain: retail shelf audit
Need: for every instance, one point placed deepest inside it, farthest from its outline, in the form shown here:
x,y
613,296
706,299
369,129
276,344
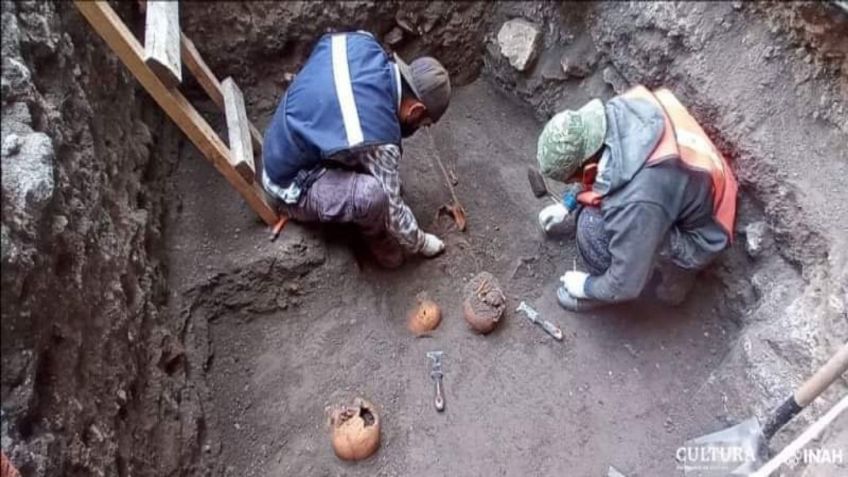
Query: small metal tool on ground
x,y
613,472
533,316
436,373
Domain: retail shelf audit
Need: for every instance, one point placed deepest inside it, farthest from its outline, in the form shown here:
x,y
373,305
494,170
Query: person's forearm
x,y
382,163
403,226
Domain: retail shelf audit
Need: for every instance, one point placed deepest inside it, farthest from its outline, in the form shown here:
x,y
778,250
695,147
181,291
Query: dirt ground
x,y
617,391
149,328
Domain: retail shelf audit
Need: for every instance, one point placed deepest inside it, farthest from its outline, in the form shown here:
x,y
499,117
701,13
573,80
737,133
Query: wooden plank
x,y
109,26
203,74
194,62
241,149
162,41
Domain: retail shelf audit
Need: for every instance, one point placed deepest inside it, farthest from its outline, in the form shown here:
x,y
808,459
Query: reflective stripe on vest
x,y
683,137
344,90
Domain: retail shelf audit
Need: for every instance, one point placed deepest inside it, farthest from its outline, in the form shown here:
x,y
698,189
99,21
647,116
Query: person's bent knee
x,y
370,201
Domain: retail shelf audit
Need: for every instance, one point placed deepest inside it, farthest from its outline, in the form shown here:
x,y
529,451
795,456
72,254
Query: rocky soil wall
x,y
273,38
84,159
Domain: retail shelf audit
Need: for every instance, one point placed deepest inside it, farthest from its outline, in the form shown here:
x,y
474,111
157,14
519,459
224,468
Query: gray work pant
x,y
668,284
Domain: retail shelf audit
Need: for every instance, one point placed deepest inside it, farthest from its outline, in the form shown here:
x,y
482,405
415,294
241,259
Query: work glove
x,y
551,216
574,283
432,246
571,303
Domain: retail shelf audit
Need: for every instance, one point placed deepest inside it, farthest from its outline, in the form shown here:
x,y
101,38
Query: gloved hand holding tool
x,y
432,245
574,283
572,294
552,215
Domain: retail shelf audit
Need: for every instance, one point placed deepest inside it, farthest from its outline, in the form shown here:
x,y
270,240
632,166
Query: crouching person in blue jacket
x,y
332,150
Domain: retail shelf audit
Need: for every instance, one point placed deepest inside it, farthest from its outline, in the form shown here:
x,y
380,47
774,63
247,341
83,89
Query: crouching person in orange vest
x,y
657,202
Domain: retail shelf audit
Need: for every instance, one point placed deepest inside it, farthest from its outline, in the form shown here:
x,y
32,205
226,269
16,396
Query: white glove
x,y
551,216
432,246
574,283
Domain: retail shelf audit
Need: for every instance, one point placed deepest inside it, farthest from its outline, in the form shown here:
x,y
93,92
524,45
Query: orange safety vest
x,y
683,137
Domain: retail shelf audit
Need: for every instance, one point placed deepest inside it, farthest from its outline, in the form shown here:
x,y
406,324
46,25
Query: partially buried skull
x,y
484,303
355,430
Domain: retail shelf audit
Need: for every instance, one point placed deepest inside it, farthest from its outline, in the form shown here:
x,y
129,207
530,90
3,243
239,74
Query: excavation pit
x,y
150,327
622,389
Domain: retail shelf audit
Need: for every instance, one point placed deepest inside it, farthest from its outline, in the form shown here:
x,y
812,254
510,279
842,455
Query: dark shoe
x,y
576,304
674,284
386,251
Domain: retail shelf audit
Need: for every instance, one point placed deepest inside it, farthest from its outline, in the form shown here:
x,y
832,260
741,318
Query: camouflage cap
x,y
569,138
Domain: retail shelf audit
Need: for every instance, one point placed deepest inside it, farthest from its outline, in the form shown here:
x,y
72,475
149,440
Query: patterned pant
x,y
343,196
347,197
592,240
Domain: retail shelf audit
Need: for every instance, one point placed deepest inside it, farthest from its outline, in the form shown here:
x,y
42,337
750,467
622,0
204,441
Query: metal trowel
x,y
741,449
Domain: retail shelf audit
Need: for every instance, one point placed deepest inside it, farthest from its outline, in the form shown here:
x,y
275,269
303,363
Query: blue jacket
x,y
346,96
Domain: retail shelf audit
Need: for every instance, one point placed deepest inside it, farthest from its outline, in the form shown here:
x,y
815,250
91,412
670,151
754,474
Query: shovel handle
x,y
807,392
836,365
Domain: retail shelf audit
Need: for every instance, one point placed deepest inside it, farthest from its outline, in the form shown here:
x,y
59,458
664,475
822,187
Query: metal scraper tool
x,y
533,316
436,373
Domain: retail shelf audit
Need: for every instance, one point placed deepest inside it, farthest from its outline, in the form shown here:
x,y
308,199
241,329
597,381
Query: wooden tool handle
x,y
552,329
827,374
278,227
807,392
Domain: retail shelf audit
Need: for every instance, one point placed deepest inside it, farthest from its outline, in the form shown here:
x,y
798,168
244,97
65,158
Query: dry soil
x,y
617,391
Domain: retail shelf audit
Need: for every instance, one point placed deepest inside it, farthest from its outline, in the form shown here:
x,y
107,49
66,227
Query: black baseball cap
x,y
429,81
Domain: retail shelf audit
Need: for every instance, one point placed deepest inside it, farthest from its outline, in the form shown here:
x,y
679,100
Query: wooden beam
x,y
194,62
162,41
109,26
241,150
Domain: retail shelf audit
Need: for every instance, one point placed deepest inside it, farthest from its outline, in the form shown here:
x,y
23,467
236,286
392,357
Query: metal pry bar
x,y
546,325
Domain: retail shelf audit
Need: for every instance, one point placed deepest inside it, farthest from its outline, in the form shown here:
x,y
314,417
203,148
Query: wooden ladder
x,y
157,67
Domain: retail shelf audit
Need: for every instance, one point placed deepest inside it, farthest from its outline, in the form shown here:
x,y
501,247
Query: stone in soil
x,y
755,236
519,42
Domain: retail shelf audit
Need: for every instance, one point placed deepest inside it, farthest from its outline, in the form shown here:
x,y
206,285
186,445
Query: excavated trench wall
x,y
97,378
84,171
